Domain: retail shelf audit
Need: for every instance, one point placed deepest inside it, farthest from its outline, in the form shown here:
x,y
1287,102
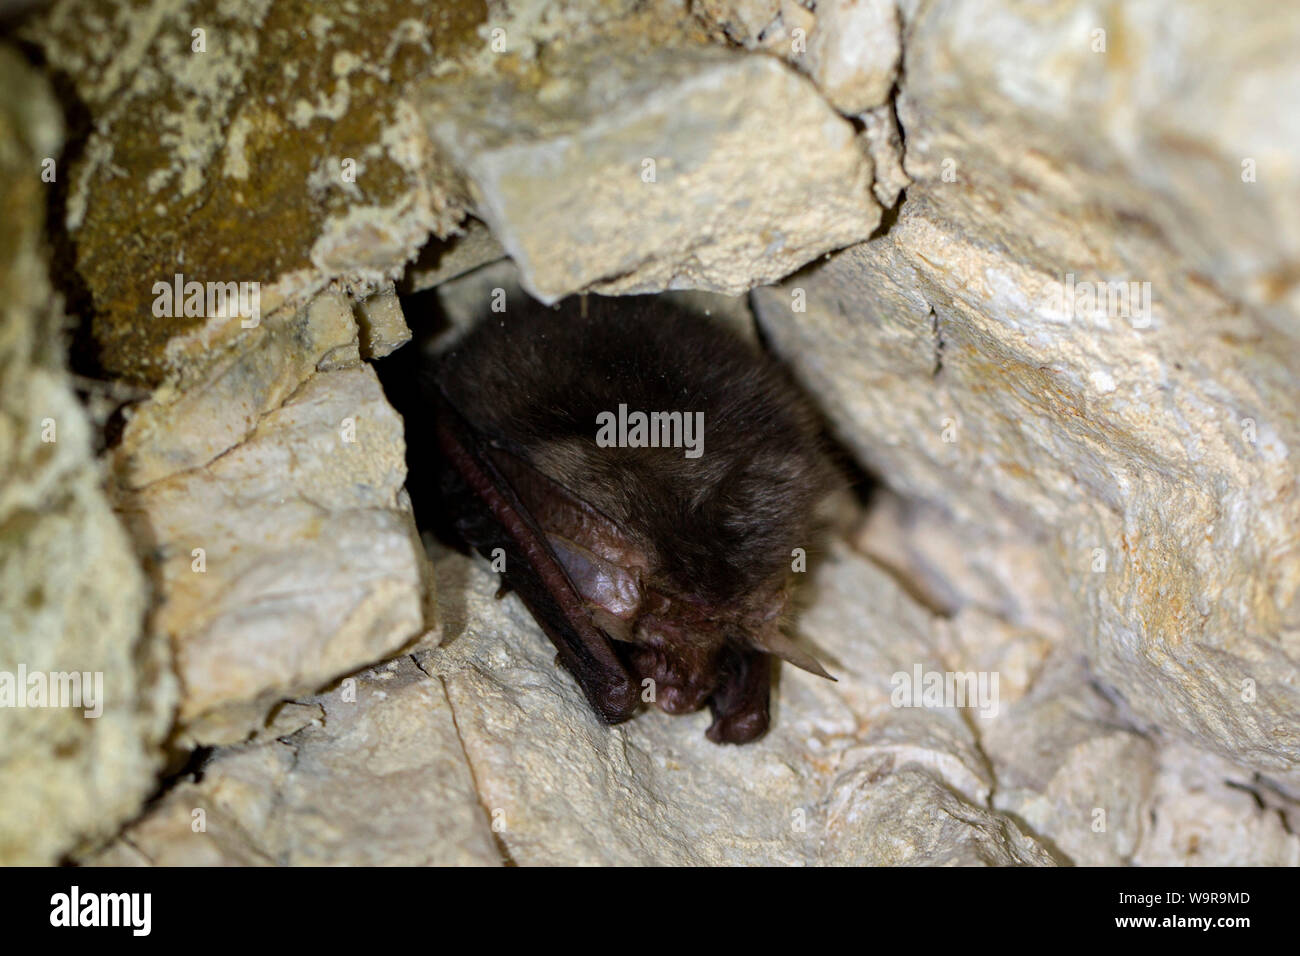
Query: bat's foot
x,y
740,703
738,728
615,701
614,697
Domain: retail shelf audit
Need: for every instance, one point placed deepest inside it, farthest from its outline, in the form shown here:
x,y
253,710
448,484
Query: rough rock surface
x,y
286,554
215,403
843,778
1208,812
439,262
228,119
1092,503
72,597
592,172
370,773
1069,767
1144,453
850,48
231,118
853,52
383,327
310,564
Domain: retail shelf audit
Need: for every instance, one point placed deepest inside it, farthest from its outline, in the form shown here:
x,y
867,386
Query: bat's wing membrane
x,y
491,515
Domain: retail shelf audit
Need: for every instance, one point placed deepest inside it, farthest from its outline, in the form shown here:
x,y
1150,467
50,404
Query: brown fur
x,y
714,528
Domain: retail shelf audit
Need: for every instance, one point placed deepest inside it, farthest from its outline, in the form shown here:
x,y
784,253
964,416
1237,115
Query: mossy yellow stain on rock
x,y
225,165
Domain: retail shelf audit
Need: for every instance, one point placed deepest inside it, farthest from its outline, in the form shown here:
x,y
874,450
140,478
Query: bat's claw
x,y
614,698
739,704
615,702
738,728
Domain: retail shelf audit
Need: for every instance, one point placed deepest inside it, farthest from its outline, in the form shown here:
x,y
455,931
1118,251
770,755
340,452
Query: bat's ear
x,y
774,642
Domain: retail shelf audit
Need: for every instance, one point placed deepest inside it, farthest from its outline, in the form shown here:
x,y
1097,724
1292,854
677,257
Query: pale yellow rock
x,y
1187,127
217,402
853,52
826,785
378,779
383,326
638,168
1072,768
742,21
1207,812
884,142
72,596
289,560
1141,446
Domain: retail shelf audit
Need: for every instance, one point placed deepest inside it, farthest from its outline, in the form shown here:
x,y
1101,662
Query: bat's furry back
x,y
714,527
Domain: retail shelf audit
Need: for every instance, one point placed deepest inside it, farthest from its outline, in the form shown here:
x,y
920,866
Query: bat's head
x,y
687,646
694,559
674,470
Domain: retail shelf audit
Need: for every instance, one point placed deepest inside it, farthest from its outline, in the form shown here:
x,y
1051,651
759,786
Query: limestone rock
x,y
263,486
741,21
853,52
443,260
907,818
958,573
884,143
850,48
382,326
1069,354
1207,812
215,402
598,174
72,597
1185,130
231,118
1140,444
289,560
843,777
328,138
1070,768
378,778
466,299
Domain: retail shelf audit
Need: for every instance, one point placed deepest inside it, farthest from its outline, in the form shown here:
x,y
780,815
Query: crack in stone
x,y
138,849
936,329
497,839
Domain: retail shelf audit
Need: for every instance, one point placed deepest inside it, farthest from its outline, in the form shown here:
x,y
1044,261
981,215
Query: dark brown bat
x,y
667,563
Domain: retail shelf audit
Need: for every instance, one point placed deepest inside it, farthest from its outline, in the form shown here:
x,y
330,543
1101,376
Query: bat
x,y
647,475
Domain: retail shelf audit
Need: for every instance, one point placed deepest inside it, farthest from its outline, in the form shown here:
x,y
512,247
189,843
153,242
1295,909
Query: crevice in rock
x,y
1046,842
497,839
1051,448
888,217
83,351
188,767
909,585
893,108
1265,806
936,329
890,214
138,849
978,743
193,769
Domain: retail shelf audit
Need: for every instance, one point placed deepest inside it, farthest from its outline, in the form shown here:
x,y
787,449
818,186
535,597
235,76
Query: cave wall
x,y
1091,498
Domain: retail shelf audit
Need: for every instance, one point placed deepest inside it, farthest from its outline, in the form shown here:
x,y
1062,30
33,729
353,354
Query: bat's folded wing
x,y
491,515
